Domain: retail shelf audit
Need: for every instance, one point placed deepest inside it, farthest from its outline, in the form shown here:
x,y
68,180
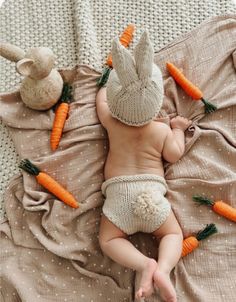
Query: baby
x,y
134,184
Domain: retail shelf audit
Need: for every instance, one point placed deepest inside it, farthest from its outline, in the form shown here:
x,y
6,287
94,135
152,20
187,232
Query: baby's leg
x,y
114,243
170,249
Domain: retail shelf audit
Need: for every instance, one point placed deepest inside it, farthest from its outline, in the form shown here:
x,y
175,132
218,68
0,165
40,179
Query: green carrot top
x,y
209,230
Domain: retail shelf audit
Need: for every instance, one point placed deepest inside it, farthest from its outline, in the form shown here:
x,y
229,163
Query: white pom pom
x,y
145,206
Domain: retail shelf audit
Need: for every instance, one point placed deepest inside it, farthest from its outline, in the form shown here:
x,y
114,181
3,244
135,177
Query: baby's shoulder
x,y
161,127
159,132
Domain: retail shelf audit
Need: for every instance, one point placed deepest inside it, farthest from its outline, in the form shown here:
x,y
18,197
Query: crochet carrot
x,y
192,242
189,87
125,40
60,117
49,183
219,207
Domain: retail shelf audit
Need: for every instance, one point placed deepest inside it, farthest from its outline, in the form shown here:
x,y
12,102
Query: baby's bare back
x,y
134,150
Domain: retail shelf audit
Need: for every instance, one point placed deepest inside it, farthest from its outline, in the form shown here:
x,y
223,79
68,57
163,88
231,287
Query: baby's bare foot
x,y
162,281
146,281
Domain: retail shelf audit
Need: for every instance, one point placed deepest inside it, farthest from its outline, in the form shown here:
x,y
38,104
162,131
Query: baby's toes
x,y
139,294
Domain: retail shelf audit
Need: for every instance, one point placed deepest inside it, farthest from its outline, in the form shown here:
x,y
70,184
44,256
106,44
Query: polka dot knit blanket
x,y
51,252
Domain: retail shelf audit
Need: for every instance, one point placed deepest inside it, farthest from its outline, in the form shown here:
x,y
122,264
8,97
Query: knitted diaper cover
x,y
136,203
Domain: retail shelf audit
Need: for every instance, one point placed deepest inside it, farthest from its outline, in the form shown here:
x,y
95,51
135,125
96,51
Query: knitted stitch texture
x,y
135,87
136,203
98,22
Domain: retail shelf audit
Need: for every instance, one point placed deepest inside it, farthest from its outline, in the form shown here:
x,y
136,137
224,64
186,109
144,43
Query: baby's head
x,y
135,86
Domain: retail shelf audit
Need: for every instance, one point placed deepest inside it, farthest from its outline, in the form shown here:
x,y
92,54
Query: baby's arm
x,y
103,111
174,144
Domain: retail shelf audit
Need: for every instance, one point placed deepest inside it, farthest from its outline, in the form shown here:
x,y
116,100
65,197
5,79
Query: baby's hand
x,y
180,123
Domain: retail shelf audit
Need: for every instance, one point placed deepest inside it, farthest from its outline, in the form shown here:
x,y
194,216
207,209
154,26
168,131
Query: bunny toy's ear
x,y
123,64
11,52
144,55
24,66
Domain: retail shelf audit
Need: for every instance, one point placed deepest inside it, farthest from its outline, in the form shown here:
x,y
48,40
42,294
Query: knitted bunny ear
x,y
123,64
144,55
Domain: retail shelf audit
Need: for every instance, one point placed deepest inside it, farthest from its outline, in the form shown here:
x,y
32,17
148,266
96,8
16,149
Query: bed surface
x,y
41,227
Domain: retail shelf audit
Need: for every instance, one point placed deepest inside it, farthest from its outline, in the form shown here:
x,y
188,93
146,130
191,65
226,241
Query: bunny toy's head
x,y
135,86
37,64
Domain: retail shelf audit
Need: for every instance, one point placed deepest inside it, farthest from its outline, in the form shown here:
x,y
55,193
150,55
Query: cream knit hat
x,y
134,88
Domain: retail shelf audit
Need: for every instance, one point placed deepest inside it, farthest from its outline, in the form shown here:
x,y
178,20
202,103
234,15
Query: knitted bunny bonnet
x,y
135,87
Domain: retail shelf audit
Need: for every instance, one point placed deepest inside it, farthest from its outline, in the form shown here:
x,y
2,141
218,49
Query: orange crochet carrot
x,y
49,183
219,207
125,40
192,242
60,117
189,87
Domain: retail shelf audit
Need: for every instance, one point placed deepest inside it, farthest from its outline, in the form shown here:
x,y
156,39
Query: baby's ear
x,y
123,64
144,55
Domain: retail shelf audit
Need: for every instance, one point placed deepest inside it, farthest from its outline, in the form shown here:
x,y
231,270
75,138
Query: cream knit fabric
x,y
135,86
136,203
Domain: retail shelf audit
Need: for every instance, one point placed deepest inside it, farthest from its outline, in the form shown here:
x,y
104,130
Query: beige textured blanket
x,y
50,252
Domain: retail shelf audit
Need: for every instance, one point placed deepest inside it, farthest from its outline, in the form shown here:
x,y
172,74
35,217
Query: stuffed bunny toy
x,y
135,87
42,86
